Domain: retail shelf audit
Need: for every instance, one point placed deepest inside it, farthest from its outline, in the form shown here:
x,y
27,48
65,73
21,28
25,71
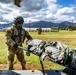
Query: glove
x,y
28,50
15,45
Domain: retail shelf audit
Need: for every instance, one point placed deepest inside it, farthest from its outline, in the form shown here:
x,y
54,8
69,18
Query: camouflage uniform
x,y
16,35
54,51
39,31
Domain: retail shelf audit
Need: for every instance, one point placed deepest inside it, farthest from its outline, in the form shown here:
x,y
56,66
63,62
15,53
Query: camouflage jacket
x,y
16,35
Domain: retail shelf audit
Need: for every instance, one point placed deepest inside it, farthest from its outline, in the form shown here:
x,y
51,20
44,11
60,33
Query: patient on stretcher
x,y
53,51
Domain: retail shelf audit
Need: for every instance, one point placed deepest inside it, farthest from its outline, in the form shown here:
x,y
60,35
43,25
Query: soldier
x,y
15,36
39,31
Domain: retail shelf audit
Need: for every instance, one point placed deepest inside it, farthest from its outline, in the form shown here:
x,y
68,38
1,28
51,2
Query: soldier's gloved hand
x,y
15,45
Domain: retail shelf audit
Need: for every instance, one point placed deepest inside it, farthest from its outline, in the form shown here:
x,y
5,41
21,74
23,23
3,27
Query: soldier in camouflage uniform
x,y
39,31
15,36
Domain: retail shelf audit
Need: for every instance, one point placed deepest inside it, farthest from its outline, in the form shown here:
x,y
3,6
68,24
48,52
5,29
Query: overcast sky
x,y
38,10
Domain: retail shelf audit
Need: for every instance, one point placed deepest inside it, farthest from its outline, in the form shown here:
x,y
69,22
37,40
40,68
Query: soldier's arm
x,y
28,36
9,40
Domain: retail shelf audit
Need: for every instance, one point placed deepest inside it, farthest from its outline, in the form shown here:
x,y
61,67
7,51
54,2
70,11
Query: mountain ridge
x,y
42,24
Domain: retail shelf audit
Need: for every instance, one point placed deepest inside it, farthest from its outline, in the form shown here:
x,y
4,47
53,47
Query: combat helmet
x,y
18,21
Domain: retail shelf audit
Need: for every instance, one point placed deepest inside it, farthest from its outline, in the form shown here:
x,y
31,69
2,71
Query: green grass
x,y
64,36
49,36
61,34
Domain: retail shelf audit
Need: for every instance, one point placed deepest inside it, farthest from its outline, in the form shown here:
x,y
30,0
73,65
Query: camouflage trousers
x,y
20,56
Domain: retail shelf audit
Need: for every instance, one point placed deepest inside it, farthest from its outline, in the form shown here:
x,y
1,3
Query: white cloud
x,y
74,21
32,5
65,14
35,10
7,12
50,1
65,18
52,6
65,11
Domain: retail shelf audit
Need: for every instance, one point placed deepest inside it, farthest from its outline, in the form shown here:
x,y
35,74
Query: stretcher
x,y
52,51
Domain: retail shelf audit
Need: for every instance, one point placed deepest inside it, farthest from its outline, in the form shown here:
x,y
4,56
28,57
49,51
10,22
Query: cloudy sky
x,y
38,10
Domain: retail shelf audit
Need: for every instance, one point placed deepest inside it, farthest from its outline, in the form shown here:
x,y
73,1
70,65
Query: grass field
x,y
32,62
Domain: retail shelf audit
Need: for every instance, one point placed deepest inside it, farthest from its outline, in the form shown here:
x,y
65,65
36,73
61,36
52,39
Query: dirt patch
x,y
48,65
29,66
2,39
3,66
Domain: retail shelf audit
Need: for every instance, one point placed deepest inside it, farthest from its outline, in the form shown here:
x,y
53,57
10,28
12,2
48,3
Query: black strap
x,y
42,66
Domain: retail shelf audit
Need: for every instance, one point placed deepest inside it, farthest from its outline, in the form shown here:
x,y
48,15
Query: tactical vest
x,y
18,35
